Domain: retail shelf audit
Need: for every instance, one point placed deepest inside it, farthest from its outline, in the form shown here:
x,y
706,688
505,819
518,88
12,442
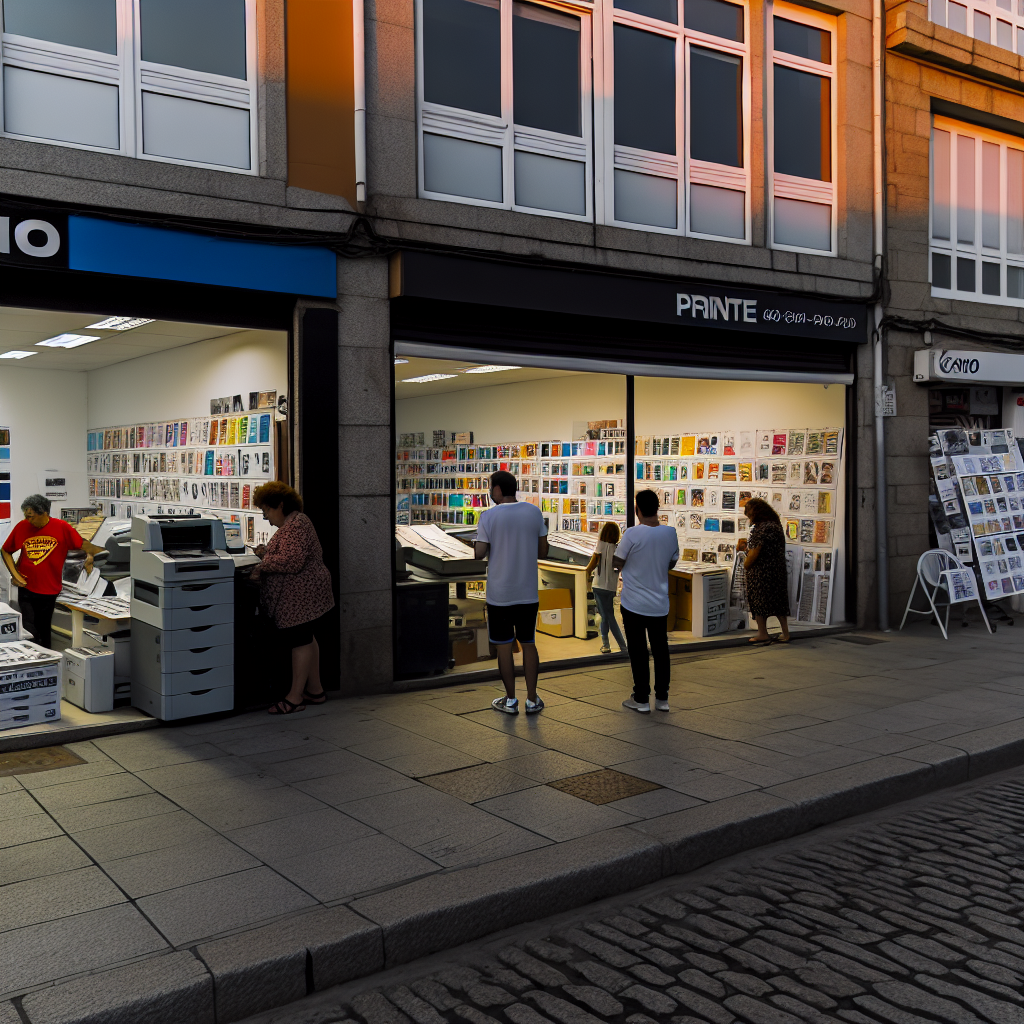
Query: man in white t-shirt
x,y
645,554
512,535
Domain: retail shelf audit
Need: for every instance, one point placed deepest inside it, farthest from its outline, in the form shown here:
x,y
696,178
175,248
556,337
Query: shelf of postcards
x,y
201,463
978,482
703,481
582,482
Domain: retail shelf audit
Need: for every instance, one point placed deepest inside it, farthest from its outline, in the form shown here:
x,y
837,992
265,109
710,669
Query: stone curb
x,y
228,979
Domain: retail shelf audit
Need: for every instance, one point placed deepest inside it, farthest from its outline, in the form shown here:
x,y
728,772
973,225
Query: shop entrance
x,y
110,417
581,441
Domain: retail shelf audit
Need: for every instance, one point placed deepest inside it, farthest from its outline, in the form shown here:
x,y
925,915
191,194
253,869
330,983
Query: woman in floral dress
x,y
765,569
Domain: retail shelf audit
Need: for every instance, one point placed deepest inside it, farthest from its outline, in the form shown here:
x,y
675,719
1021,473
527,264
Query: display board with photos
x,y
978,504
582,482
5,475
205,462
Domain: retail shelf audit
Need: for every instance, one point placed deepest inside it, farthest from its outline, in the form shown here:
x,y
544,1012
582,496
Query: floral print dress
x,y
767,583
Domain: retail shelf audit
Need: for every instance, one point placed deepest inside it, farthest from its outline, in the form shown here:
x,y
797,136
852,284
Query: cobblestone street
x,y
913,916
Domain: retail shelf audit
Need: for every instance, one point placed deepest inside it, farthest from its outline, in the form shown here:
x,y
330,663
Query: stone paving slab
x,y
432,819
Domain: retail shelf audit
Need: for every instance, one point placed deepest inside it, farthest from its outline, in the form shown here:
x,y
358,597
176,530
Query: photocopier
x,y
182,603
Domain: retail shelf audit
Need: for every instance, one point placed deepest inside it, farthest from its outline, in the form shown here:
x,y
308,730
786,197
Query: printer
x,y
183,612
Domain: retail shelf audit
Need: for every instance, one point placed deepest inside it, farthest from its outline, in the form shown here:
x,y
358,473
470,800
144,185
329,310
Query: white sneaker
x,y
533,706
644,709
661,705
508,705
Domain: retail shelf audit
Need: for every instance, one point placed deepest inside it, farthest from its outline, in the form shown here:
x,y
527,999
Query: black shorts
x,y
508,622
296,636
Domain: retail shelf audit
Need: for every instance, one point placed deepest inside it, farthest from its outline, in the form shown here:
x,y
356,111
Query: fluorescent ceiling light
x,y
120,323
17,353
427,377
491,369
398,360
69,340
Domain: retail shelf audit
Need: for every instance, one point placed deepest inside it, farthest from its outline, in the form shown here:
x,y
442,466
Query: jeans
x,y
606,609
37,614
638,629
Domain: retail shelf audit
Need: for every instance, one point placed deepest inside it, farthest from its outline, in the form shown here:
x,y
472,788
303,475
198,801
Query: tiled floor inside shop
x,y
172,835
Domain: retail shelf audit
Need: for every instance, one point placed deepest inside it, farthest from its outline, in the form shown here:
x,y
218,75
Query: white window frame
x,y
501,131
979,252
939,13
788,186
681,167
133,77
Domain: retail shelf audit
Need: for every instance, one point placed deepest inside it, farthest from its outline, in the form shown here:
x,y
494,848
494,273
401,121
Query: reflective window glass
x,y
940,184
462,54
716,107
965,190
201,35
546,69
645,90
1015,201
90,24
803,132
803,41
663,10
714,17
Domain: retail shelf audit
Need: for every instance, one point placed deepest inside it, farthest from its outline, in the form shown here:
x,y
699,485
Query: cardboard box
x,y
555,621
554,597
465,652
10,624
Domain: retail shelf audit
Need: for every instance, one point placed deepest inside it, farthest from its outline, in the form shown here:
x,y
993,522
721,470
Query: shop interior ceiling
x,y
459,379
23,329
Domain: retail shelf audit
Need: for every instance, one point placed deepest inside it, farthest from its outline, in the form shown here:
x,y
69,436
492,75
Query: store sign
x,y
33,238
967,365
686,304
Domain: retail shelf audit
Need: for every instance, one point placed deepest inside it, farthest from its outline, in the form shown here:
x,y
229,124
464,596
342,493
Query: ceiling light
x,y
69,340
491,369
427,377
17,353
398,361
120,323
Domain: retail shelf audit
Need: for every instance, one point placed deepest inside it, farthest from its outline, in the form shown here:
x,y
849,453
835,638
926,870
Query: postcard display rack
x,y
978,504
201,464
582,483
704,479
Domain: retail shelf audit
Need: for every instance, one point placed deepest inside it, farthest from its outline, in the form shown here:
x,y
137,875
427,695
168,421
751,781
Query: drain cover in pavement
x,y
22,762
851,638
604,786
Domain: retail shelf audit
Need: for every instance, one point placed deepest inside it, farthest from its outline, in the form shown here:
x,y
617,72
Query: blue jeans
x,y
606,608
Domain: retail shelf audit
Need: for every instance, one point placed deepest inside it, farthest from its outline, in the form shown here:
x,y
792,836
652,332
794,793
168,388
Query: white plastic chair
x,y
931,569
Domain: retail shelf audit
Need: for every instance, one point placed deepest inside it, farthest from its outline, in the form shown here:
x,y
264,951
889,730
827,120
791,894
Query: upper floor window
x,y
1000,22
169,80
977,214
802,138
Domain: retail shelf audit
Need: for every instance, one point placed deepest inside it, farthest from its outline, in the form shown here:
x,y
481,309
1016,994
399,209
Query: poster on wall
x,y
5,475
53,484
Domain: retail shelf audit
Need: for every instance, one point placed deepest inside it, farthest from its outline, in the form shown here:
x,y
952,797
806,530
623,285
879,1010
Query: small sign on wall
x,y
53,484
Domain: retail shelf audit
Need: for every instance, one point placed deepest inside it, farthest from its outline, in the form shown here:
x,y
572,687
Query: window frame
x,y
661,165
132,77
995,15
501,130
788,186
978,251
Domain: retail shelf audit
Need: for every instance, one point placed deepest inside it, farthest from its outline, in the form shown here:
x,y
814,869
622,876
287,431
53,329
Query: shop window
x,y
977,214
505,105
802,84
1004,26
170,80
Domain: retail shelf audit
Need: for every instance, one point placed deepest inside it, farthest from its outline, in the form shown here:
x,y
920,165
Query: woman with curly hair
x,y
765,570
295,590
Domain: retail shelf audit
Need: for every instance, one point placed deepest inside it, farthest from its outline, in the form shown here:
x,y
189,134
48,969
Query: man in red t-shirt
x,y
44,544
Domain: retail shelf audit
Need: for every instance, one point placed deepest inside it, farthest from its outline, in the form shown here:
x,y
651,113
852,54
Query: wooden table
x,y
568,576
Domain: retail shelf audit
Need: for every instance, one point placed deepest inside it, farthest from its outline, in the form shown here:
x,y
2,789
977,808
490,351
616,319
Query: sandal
x,y
314,698
285,707
757,641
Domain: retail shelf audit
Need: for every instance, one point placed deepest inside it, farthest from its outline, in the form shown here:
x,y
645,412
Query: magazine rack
x,y
941,573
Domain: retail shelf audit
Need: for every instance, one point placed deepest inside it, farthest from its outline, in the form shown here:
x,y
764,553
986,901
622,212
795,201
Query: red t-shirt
x,y
43,553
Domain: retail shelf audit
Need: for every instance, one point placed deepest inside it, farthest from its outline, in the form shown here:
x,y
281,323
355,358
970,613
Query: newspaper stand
x,y
940,573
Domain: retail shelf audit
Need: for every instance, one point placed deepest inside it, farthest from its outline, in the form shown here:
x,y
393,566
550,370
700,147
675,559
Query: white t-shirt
x,y
512,529
649,552
605,577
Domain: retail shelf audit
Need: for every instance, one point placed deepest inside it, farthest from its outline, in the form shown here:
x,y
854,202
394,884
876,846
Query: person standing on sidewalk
x,y
512,535
765,569
645,554
606,582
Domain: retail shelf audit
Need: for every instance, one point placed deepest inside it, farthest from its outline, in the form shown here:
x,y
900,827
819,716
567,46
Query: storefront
x,y
147,370
589,387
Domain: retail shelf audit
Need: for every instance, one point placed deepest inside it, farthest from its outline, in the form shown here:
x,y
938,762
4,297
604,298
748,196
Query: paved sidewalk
x,y
246,861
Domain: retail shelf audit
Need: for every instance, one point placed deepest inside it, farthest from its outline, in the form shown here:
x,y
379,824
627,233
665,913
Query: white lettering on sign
x,y
21,236
714,308
961,365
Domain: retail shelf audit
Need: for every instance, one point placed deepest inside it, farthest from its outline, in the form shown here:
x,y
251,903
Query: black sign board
x,y
33,238
687,304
